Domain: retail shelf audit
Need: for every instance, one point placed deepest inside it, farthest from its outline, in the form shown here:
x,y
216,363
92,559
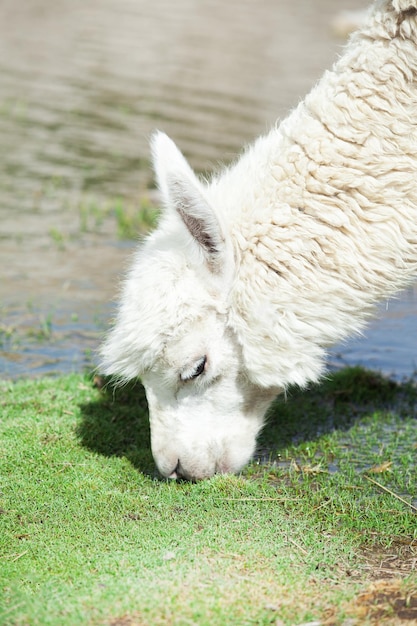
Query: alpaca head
x,y
173,330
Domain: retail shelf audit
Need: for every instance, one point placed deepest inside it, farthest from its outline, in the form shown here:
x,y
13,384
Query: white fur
x,y
280,256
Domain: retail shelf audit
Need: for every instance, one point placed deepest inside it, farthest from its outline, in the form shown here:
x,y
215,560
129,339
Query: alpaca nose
x,y
181,473
175,473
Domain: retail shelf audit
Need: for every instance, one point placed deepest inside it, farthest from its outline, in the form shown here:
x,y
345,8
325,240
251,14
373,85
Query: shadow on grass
x,y
335,403
117,424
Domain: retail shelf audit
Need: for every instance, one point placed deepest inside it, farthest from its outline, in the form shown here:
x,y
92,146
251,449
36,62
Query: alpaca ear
x,y
182,190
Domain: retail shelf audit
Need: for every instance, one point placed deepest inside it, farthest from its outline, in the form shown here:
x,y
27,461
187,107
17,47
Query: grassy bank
x,y
321,528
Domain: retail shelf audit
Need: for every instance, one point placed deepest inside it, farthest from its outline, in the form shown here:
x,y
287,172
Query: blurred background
x,y
82,86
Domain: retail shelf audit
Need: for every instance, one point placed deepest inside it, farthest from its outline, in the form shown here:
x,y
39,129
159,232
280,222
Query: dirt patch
x,y
386,602
397,561
390,596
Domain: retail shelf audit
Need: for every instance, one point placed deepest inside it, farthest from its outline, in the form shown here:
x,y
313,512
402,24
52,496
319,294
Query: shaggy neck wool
x,y
323,210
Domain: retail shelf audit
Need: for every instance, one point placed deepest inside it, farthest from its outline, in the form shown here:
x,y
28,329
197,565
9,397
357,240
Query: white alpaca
x,y
249,277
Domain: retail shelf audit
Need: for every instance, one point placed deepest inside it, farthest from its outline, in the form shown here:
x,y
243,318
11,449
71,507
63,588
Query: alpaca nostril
x,y
179,473
175,473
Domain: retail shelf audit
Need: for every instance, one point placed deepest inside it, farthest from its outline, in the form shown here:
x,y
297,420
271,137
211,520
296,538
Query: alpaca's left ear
x,y
182,191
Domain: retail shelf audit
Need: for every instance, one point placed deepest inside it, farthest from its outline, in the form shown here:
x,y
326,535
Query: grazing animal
x,y
251,276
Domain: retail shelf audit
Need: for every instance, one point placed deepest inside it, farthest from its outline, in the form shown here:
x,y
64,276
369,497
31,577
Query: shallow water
x,y
82,86
389,343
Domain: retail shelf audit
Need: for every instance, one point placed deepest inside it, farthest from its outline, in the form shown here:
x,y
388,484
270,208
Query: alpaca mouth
x,y
181,473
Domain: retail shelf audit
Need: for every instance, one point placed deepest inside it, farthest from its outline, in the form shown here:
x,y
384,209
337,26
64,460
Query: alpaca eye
x,y
200,367
195,371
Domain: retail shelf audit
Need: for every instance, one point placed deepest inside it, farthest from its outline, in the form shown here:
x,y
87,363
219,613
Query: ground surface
x,y
321,528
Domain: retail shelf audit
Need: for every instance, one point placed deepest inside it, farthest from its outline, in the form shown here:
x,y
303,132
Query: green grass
x,y
131,219
90,535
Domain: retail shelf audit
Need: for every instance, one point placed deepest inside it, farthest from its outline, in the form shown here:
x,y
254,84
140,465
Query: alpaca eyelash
x,y
196,371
